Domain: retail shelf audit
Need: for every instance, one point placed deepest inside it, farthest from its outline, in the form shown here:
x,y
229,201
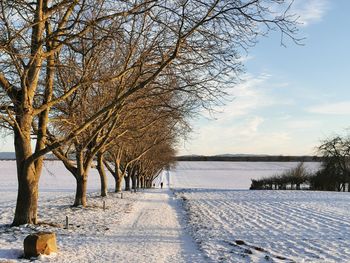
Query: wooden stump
x,y
39,243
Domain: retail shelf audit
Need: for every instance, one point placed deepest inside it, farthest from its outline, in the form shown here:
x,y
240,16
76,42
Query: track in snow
x,y
142,227
154,230
270,226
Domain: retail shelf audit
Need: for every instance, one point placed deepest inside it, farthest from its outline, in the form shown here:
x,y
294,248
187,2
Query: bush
x,y
293,177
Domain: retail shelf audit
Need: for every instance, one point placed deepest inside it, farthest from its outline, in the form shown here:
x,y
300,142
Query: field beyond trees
x,y
202,218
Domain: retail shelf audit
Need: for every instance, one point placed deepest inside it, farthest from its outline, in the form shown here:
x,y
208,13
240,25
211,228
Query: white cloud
x,y
310,11
303,124
237,128
255,122
336,108
244,58
254,93
245,136
216,137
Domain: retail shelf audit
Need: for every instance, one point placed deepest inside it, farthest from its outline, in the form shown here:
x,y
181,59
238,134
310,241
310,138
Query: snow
x,y
55,181
140,226
231,225
204,216
299,226
228,175
145,226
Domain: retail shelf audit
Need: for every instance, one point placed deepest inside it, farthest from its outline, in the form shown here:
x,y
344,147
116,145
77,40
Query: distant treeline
x,y
251,158
11,156
6,156
299,178
333,175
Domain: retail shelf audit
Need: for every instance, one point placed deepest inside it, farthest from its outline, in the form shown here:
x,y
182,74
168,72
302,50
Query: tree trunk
x,y
133,180
80,194
148,183
118,181
138,183
142,179
102,172
127,182
27,197
28,178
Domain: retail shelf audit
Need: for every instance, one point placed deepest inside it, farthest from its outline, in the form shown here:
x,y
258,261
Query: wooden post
x,y
104,205
121,195
67,222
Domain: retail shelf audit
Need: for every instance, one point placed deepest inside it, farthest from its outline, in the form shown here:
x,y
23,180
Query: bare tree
x,y
198,42
154,123
152,164
335,169
35,36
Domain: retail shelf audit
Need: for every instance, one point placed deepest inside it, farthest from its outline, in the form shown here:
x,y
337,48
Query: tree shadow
x,y
10,253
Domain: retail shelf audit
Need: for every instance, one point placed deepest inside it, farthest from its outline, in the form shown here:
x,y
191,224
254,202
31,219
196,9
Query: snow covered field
x,y
207,220
269,226
227,175
54,181
261,226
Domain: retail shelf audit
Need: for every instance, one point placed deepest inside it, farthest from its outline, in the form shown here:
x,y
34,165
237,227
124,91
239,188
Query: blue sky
x,y
291,98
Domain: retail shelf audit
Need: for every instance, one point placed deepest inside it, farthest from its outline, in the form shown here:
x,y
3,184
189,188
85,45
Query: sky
x,y
291,98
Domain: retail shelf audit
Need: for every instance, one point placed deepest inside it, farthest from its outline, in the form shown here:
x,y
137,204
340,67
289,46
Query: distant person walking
x,y
161,185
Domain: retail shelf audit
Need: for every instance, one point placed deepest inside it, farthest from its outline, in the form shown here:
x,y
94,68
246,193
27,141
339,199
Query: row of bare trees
x,y
333,175
113,79
291,179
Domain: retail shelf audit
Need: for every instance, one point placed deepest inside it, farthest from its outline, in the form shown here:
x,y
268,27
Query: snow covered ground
x,y
269,226
141,227
227,175
147,226
233,225
54,181
207,220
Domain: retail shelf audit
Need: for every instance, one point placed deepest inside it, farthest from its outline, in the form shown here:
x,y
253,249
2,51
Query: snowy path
x,y
142,227
153,233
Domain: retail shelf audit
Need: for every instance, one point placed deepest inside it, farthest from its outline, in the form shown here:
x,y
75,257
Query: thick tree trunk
x,y
80,194
142,179
118,182
28,178
127,182
148,183
27,197
81,176
103,176
133,180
